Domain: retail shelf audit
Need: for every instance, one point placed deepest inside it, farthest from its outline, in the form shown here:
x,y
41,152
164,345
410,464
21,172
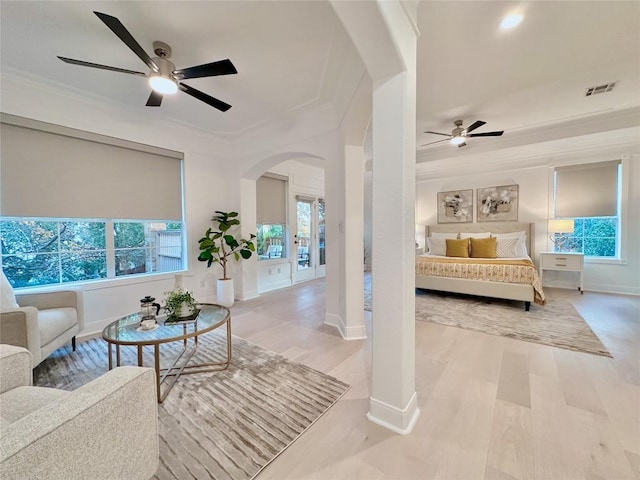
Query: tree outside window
x,y
594,236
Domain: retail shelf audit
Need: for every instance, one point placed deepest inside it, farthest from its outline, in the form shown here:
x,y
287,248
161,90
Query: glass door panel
x,y
321,237
303,239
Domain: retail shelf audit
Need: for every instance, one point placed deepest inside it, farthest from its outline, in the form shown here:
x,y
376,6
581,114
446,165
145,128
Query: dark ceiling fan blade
x,y
214,102
221,67
123,34
462,145
97,65
474,125
155,99
438,133
438,141
487,134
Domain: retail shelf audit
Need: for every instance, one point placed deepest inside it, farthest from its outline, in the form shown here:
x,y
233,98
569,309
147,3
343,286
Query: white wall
x,y
534,194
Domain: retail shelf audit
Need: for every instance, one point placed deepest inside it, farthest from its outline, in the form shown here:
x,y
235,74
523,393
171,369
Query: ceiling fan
x,y
459,134
164,78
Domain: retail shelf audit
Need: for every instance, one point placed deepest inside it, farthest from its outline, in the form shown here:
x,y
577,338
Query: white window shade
x,y
271,200
56,172
589,190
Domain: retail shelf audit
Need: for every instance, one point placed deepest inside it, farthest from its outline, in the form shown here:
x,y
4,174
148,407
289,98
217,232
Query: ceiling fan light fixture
x,y
163,85
457,140
510,21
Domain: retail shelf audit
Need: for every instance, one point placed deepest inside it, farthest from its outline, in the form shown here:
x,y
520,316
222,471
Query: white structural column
x,y
353,325
384,33
393,400
334,231
246,278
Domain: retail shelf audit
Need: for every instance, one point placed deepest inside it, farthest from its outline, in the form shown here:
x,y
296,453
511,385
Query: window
x,y
38,252
270,241
59,225
271,213
595,237
591,195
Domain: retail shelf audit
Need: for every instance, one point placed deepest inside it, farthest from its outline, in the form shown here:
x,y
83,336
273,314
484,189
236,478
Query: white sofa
x,y
106,429
39,322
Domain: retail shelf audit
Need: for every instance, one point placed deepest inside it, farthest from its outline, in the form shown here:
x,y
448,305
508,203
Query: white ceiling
x,y
287,52
530,77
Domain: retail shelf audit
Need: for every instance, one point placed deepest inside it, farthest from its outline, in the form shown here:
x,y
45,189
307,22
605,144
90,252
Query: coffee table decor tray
x,y
182,320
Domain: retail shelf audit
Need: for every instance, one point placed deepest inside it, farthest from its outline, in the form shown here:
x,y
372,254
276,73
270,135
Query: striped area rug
x,y
220,425
556,324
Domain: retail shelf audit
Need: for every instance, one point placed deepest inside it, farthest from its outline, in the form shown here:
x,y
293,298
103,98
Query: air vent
x,y
607,87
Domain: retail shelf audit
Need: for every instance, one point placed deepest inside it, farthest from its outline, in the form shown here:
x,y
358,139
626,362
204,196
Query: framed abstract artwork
x,y
455,206
498,204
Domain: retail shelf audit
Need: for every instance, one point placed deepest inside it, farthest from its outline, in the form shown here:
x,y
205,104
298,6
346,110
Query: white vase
x,y
224,292
178,284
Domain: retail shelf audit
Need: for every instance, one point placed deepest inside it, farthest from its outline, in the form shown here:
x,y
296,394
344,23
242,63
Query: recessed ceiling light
x,y
511,20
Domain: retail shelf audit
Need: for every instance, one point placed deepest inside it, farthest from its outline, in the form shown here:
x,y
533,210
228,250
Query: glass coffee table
x,y
127,331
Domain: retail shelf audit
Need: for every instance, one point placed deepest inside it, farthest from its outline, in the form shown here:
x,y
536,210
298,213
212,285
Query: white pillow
x,y
520,234
7,297
521,248
506,247
443,235
510,248
475,235
437,246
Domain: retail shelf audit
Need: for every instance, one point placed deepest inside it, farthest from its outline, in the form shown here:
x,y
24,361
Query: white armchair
x,y
39,322
106,429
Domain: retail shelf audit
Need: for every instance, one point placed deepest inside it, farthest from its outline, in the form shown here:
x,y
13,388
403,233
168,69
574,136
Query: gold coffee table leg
x,y
156,355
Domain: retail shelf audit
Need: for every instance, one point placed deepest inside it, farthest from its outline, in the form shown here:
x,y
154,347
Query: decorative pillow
x,y
443,235
520,234
436,246
521,248
476,235
7,297
457,248
483,247
507,247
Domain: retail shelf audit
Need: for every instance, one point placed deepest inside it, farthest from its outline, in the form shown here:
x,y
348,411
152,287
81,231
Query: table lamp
x,y
558,229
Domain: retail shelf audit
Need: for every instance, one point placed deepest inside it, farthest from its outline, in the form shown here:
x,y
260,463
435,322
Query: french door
x,y
309,239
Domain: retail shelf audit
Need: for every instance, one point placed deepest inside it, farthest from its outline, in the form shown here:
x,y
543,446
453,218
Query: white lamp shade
x,y
561,225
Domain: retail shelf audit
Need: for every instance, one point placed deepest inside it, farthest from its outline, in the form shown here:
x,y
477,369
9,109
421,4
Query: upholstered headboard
x,y
493,227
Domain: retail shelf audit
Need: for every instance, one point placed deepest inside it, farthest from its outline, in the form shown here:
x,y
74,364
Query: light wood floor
x,y
491,407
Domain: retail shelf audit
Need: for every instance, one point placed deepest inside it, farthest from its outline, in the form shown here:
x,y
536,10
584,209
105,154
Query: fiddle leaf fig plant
x,y
219,243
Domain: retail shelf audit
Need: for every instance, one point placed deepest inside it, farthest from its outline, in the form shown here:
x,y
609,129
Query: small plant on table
x,y
179,304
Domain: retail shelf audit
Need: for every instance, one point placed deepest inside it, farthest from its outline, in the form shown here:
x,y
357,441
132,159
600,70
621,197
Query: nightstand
x,y
566,262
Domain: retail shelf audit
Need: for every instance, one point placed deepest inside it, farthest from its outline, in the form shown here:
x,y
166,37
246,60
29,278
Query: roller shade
x,y
589,190
271,200
57,172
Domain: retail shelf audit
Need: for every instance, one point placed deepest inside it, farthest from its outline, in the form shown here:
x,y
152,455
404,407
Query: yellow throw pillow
x,y
457,248
483,247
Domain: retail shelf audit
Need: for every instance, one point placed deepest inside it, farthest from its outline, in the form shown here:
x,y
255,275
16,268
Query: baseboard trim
x,y
397,420
275,286
357,332
248,295
332,320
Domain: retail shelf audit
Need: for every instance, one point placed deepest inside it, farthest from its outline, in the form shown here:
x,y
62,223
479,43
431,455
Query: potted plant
x,y
179,304
219,245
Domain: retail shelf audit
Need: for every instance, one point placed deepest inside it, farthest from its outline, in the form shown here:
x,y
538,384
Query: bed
x,y
505,278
